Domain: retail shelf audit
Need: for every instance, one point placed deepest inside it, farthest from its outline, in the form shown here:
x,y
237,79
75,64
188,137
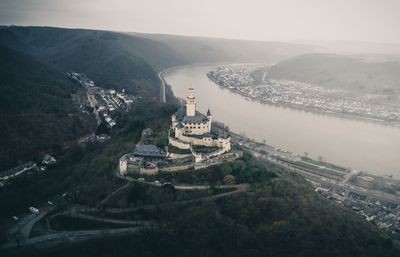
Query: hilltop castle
x,y
193,143
191,128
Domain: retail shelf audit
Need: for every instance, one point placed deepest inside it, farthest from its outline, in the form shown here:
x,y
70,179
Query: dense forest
x,y
91,166
36,110
279,215
112,60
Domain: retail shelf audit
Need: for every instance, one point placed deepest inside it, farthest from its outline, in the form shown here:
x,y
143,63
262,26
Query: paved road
x,y
162,86
105,200
77,236
239,188
54,239
26,224
146,223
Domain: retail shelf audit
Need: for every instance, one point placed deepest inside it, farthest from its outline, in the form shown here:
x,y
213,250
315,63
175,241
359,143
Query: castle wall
x,y
206,141
176,156
144,171
199,157
178,143
176,167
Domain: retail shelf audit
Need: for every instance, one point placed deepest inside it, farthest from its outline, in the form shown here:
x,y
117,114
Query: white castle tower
x,y
190,103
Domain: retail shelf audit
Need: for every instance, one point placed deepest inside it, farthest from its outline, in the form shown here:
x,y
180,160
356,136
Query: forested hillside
x,y
206,50
279,215
339,71
129,60
37,112
112,60
36,109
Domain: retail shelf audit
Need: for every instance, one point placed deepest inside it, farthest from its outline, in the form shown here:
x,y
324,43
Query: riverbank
x,y
310,109
370,146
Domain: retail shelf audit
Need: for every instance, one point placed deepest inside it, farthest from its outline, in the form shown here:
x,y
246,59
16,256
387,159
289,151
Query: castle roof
x,y
180,113
147,131
195,119
147,151
181,116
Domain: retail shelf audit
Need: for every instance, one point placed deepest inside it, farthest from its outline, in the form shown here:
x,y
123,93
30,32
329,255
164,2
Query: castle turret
x,y
173,119
190,103
209,120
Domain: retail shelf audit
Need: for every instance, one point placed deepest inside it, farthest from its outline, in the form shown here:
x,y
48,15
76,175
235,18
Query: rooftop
x,y
22,167
147,151
181,116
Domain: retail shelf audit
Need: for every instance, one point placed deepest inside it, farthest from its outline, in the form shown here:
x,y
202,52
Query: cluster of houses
x,y
385,216
112,100
232,76
5,176
104,102
303,95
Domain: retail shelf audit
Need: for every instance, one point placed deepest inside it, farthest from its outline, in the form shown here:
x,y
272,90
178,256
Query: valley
x,y
236,197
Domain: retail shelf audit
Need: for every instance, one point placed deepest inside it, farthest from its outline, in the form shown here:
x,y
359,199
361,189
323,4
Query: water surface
x,y
359,144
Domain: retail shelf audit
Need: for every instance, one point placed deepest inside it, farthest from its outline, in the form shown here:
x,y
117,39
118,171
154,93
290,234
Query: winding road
x,y
162,86
60,237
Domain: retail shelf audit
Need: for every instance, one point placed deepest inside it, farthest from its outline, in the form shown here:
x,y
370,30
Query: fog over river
x,y
368,146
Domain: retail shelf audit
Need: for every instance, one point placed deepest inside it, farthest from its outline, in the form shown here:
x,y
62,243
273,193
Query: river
x,y
368,146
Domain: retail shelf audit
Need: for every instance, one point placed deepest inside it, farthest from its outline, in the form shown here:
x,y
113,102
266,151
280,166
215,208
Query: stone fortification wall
x,y
178,143
172,168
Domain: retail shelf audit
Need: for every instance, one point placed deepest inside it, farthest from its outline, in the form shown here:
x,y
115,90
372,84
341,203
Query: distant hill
x,y
36,110
339,71
353,47
112,60
203,49
128,60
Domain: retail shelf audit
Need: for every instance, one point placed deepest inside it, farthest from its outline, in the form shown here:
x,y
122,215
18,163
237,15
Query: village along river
x,y
368,146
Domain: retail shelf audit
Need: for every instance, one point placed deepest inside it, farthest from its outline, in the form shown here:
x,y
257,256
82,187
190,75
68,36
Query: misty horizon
x,y
287,21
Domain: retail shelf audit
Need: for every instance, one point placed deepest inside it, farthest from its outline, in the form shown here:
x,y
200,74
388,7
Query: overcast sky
x,y
361,20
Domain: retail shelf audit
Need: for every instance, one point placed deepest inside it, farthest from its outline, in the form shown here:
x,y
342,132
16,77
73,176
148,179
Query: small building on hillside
x,y
148,152
49,160
147,136
5,175
143,160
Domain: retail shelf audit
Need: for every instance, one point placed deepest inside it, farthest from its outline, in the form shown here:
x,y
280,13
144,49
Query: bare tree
x,y
229,180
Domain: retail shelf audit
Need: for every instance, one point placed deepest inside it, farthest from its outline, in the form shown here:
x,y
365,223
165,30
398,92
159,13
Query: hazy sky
x,y
363,20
